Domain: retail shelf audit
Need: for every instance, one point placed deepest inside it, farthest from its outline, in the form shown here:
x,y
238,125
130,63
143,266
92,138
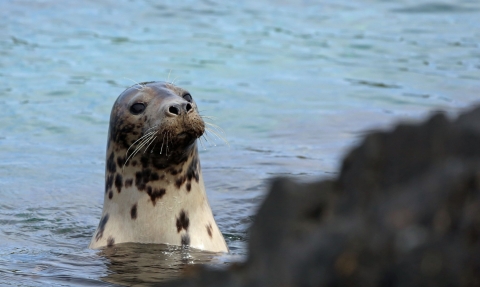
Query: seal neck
x,y
153,174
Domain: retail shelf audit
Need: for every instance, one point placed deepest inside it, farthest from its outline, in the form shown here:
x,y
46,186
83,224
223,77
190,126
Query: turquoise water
x,y
294,84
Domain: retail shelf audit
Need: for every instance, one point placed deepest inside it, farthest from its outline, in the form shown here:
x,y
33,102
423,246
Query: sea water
x,y
294,84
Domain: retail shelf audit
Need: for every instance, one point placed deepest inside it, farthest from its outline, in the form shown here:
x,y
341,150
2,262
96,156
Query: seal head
x,y
154,190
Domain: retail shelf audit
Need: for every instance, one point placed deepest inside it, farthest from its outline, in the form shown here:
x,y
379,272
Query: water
x,y
293,83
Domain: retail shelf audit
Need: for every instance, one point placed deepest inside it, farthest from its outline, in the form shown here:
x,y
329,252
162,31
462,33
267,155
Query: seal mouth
x,y
184,135
185,138
179,139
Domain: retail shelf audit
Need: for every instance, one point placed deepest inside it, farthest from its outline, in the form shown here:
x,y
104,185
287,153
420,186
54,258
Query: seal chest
x,y
154,190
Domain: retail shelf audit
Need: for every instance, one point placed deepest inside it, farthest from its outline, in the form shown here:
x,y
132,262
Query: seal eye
x,y
188,97
137,108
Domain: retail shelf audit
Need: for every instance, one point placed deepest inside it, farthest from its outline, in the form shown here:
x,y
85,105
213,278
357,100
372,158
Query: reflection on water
x,y
294,84
137,264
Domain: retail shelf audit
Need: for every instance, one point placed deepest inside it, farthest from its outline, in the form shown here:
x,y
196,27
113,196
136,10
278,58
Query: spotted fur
x,y
182,221
133,211
119,182
155,193
109,182
209,230
111,166
101,227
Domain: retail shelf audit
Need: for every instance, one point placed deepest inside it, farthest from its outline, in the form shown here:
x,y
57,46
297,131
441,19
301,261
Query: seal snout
x,y
179,109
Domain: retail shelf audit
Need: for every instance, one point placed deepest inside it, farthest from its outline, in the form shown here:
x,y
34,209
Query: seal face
x,y
154,190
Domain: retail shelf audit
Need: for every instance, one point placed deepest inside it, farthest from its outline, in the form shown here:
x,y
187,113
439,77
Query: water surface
x,y
294,84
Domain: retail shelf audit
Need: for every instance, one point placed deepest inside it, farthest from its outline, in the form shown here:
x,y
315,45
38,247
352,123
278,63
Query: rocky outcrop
x,y
404,211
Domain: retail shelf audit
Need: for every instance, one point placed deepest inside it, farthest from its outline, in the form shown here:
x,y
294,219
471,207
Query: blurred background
x,y
294,85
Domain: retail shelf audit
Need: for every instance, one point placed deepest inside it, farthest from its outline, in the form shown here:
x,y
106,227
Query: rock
x,y
404,211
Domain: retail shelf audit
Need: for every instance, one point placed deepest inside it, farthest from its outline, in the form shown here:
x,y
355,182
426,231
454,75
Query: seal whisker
x,y
212,124
142,137
154,146
201,143
217,128
217,135
208,117
206,139
149,144
161,148
132,154
166,148
139,147
215,131
144,142
151,128
212,140
136,84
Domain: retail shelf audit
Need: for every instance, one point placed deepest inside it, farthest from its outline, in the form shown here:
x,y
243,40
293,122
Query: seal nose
x,y
178,109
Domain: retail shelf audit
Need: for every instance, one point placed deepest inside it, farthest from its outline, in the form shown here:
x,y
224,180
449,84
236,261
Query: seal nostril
x,y
188,107
174,110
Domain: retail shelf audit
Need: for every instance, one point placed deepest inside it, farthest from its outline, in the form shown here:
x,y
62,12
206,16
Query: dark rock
x,y
404,211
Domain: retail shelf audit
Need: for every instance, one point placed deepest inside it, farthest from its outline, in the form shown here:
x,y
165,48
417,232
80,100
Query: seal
x,y
154,189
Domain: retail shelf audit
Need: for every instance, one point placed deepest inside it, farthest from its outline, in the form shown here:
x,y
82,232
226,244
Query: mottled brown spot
x,y
139,181
121,132
209,230
189,186
101,227
179,182
145,161
143,177
108,183
128,182
192,171
134,163
111,166
133,211
182,221
119,182
110,194
155,193
121,161
154,176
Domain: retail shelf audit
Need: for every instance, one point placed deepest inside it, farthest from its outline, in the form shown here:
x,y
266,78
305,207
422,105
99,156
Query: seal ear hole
x,y
137,108
188,98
